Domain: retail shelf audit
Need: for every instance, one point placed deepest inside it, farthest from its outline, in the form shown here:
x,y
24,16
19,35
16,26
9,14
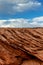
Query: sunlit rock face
x,y
21,46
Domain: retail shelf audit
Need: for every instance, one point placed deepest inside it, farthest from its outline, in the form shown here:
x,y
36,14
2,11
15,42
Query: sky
x,y
21,13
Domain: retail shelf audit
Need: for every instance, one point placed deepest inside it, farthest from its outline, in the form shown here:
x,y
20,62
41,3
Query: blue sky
x,y
21,13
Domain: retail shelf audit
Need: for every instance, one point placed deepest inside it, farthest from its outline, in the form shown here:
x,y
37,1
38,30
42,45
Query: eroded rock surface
x,y
18,46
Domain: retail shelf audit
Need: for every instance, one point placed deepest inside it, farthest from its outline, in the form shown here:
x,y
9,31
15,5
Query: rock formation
x,y
21,46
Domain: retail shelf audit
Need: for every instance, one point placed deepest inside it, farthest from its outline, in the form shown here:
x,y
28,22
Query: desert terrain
x,y
21,46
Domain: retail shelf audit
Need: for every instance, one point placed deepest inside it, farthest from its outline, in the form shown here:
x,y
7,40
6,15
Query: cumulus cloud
x,y
37,22
22,23
14,23
38,19
12,6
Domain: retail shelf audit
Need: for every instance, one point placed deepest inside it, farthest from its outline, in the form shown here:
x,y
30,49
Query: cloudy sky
x,y
21,13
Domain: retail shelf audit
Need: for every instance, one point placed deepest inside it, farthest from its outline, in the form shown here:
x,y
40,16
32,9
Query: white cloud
x,y
25,6
38,19
20,22
37,22
14,23
12,6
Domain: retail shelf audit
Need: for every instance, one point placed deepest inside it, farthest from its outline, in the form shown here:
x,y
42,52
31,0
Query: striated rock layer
x,y
21,46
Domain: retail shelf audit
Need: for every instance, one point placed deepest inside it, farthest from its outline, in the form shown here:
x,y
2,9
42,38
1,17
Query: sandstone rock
x,y
19,45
